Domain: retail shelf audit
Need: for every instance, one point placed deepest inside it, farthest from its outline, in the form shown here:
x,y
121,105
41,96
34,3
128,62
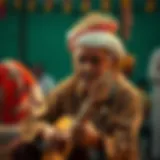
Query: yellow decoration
x,y
150,6
86,5
2,2
31,5
48,5
18,4
105,5
67,6
126,3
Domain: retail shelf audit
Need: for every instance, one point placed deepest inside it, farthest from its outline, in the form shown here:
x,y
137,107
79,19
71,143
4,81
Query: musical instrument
x,y
65,124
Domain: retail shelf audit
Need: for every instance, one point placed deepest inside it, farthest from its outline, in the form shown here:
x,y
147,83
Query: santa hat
x,y
96,30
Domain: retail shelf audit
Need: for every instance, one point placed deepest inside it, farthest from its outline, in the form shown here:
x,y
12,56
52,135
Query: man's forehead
x,y
89,51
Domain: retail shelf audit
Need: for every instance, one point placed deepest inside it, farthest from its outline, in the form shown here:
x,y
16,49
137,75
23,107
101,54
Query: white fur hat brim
x,y
101,40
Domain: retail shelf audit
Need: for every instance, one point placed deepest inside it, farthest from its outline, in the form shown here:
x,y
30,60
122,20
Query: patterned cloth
x,y
15,83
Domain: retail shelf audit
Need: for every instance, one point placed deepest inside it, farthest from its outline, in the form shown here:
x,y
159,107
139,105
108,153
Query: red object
x,y
12,94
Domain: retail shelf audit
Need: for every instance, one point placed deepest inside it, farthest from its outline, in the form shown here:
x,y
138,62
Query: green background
x,y
45,41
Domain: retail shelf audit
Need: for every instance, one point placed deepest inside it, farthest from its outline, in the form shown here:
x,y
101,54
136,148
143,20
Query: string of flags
x,y
67,6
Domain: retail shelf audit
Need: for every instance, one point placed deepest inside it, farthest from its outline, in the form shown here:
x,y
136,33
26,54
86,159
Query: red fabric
x,y
11,95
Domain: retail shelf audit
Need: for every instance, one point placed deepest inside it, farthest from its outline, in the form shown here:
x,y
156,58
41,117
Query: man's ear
x,y
127,64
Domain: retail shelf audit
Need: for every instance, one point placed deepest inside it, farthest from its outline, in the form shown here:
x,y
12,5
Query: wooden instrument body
x,y
64,124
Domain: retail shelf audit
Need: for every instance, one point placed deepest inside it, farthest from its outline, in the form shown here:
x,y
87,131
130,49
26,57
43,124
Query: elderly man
x,y
116,106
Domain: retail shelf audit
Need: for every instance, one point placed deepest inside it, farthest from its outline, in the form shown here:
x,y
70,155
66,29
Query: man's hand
x,y
86,135
83,134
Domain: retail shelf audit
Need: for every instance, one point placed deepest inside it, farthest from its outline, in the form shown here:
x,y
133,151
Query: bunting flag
x,y
31,6
67,6
3,9
48,5
150,6
126,17
85,5
18,4
105,5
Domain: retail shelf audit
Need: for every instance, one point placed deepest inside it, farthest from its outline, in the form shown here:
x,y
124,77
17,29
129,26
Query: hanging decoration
x,y
31,6
105,5
3,9
48,5
150,6
18,4
85,5
126,18
67,6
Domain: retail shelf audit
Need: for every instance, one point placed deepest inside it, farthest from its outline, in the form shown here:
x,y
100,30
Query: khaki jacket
x,y
119,117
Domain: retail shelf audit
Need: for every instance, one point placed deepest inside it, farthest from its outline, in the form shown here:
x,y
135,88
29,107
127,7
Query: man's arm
x,y
135,119
131,114
127,123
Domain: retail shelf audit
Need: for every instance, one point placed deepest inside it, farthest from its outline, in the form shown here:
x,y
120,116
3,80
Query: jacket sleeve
x,y
127,123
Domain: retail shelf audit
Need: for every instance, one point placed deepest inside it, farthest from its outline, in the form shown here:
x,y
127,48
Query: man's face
x,y
91,63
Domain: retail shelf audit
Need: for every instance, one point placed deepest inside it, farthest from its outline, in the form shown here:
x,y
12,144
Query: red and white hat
x,y
96,30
